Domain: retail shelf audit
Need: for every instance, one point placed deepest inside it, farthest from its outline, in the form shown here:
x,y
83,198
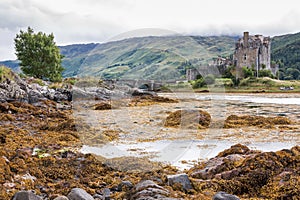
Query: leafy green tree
x,y
292,72
265,73
228,73
247,72
39,55
199,83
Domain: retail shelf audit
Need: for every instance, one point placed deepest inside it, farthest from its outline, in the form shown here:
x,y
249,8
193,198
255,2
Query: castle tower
x,y
253,52
245,39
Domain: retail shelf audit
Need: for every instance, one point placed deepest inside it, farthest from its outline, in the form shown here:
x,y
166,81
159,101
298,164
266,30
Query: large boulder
x,y
26,195
181,179
61,198
79,194
147,189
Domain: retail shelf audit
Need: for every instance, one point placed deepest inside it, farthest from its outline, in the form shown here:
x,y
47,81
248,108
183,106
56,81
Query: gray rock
x,y
26,195
182,179
106,194
79,194
125,184
147,190
139,92
224,196
98,197
214,167
61,198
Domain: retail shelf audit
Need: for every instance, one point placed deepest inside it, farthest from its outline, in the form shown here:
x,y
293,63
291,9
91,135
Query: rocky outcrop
x,y
240,171
16,89
19,90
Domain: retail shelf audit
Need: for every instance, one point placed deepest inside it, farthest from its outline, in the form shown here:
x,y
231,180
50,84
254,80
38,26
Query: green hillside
x,y
147,57
286,52
164,57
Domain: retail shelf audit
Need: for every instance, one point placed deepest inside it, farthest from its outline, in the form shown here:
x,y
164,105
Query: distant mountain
x,y
144,57
13,64
164,57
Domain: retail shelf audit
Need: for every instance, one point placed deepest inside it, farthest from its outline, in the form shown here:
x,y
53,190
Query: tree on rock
x,y
38,54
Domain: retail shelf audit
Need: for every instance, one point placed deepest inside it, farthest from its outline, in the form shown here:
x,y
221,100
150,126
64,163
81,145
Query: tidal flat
x,y
51,148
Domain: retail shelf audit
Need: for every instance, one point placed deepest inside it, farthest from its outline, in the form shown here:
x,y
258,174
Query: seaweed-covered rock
x,y
217,167
102,106
271,175
146,100
234,121
235,149
188,119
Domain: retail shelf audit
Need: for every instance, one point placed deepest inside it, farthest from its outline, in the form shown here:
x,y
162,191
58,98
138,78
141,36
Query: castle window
x,y
245,57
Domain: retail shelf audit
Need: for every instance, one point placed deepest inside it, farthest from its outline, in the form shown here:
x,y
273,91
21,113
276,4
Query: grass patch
x,y
5,73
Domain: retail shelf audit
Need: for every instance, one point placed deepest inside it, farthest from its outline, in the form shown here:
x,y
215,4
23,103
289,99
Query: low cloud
x,y
77,21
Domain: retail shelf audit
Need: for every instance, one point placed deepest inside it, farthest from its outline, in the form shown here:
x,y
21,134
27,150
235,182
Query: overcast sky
x,y
84,21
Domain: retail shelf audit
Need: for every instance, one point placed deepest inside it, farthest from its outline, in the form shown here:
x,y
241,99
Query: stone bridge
x,y
150,85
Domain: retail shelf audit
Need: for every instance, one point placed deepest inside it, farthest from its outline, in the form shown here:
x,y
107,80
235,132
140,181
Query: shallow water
x,y
252,99
142,133
180,153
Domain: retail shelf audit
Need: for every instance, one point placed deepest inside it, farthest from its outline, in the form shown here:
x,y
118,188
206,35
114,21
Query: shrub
x,y
265,73
199,83
209,79
226,82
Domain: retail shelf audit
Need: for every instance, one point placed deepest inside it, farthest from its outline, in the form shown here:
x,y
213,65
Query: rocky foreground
x,y
39,159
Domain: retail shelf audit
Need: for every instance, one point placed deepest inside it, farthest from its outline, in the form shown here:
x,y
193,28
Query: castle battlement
x,y
253,51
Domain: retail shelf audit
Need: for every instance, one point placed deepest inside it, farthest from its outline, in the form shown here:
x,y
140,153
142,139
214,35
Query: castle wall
x,y
246,57
265,57
191,74
253,51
